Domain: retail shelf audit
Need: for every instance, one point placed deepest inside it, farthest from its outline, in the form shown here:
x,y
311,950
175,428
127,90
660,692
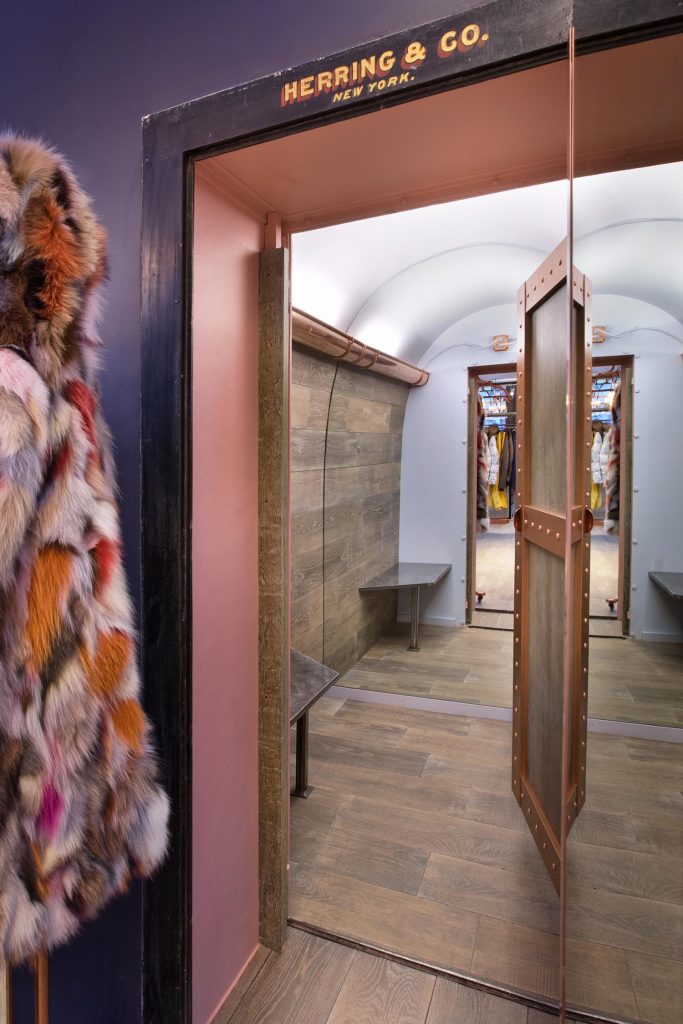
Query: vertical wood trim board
x,y
273,504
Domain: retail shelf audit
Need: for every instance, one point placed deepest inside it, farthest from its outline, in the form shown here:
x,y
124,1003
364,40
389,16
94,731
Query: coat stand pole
x,y
5,994
42,990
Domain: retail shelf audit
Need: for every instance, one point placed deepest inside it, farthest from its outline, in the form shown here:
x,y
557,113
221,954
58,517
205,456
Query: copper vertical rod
x,y
5,994
42,990
568,581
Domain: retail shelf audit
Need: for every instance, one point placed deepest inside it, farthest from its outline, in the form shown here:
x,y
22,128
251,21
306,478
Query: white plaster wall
x,y
657,457
434,461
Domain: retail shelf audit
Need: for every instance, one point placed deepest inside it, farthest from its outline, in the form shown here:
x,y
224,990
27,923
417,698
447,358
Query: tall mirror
x,y
624,921
411,357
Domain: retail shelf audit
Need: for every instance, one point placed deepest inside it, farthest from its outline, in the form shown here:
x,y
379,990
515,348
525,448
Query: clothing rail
x,y
322,337
42,992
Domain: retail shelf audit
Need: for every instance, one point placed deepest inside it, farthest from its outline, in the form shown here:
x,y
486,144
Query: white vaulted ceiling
x,y
400,282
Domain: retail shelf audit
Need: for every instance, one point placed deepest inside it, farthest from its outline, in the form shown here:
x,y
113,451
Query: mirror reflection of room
x,y
409,815
385,477
426,513
494,559
625,851
627,226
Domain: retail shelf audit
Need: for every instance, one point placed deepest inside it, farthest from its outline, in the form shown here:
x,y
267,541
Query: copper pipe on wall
x,y
322,337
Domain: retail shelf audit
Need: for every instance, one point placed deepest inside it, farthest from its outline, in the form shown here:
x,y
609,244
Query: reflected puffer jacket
x,y
81,808
596,468
494,457
483,466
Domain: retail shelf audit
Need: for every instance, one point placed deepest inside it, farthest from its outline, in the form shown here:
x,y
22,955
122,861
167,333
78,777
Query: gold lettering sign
x,y
372,74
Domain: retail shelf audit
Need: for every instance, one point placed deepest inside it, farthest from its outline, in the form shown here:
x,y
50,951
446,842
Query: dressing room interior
x,y
406,514
382,475
390,462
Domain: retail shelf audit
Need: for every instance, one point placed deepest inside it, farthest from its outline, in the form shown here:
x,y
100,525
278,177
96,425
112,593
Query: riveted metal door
x,y
552,550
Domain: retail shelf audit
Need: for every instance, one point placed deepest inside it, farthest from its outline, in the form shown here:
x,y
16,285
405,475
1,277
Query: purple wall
x,y
83,75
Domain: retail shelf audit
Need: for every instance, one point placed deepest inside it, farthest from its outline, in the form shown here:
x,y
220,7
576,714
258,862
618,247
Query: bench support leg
x,y
302,788
414,617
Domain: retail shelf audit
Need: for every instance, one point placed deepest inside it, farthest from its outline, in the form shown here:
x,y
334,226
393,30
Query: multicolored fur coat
x,y
612,476
483,469
81,809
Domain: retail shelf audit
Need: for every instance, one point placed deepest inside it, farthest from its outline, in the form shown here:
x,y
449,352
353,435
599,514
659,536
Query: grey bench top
x,y
670,582
404,575
309,681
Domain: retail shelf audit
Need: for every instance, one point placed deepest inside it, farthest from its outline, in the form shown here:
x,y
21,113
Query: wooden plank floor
x,y
629,681
417,845
315,981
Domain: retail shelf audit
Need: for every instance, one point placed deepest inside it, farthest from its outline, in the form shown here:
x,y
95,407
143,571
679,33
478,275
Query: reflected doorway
x,y
491,556
494,555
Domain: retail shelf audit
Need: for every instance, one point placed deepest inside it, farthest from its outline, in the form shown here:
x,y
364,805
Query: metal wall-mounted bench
x,y
672,585
309,681
409,576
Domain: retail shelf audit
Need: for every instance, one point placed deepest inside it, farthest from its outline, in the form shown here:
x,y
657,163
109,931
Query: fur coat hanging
x,y
612,478
483,468
81,809
596,469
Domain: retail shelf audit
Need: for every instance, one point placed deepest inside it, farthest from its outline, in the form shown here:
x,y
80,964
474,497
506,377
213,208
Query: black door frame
x,y
525,34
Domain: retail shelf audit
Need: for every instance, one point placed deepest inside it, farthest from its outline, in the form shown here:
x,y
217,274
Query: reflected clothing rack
x,y
499,400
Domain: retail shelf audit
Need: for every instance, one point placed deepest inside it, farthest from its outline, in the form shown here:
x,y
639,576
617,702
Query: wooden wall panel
x,y
312,380
347,427
362,499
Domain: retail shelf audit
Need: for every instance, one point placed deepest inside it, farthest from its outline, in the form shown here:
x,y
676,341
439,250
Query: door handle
x,y
517,520
587,520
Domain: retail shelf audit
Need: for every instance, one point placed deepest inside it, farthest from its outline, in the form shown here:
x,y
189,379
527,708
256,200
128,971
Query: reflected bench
x,y
309,681
672,585
670,582
409,576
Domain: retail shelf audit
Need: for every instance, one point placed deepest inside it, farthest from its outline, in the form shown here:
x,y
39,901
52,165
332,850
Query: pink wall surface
x,y
225,596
